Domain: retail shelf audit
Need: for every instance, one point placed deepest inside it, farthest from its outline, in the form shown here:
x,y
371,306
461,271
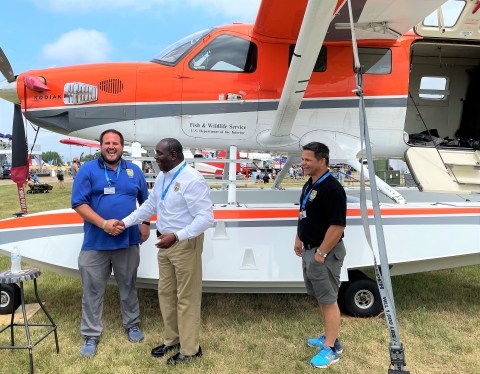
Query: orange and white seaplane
x,y
274,86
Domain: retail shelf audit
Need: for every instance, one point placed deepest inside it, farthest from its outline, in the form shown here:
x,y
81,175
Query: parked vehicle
x,y
6,172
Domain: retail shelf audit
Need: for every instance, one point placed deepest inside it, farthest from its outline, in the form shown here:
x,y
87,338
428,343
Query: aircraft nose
x,y
8,91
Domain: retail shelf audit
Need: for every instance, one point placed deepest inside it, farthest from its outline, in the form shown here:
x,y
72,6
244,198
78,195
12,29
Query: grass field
x,y
261,333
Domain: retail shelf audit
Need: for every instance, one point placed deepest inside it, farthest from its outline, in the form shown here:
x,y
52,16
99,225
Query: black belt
x,y
309,246
158,234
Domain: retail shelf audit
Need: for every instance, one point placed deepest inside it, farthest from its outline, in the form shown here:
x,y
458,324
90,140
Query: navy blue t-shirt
x,y
326,205
89,188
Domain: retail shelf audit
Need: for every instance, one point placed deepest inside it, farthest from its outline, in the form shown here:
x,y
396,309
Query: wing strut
x,y
397,354
316,21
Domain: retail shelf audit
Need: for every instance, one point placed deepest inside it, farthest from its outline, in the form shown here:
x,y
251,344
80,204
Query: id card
x,y
303,214
109,190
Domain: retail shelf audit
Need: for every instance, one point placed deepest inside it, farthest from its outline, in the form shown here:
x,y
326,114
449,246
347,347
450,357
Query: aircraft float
x,y
274,86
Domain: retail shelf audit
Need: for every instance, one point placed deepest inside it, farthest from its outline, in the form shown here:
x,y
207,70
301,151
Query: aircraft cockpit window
x,y
375,60
451,11
227,53
173,53
320,64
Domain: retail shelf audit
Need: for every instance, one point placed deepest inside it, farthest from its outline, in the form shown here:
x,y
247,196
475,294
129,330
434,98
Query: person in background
x,y
61,183
322,220
109,188
181,200
266,177
35,177
74,167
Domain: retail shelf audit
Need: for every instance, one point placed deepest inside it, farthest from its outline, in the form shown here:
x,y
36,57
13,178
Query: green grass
x,y
248,333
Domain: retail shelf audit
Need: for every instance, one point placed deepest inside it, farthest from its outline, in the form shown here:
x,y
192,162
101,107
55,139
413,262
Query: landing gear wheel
x,y
353,275
361,298
6,301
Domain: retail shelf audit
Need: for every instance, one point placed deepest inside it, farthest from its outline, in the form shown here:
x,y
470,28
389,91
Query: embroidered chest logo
x,y
130,173
313,195
177,187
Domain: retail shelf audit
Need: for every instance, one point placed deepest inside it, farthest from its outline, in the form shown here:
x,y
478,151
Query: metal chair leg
x,y
27,330
47,314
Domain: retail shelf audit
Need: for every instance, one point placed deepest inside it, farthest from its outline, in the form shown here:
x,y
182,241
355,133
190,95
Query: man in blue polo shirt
x,y
108,188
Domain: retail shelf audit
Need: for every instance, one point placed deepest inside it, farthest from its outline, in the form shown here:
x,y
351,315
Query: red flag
x,y
19,156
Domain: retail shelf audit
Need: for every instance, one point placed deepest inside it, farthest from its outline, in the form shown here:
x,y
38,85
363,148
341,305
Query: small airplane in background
x,y
281,83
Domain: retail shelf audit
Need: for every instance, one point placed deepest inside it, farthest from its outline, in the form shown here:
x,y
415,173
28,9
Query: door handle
x,y
183,76
234,97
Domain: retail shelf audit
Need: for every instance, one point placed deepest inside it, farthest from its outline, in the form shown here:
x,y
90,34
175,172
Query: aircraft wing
x,y
81,143
312,22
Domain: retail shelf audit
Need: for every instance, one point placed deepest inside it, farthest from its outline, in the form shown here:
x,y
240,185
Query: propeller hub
x,y
8,91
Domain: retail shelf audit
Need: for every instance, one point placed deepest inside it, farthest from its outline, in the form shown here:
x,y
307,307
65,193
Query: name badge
x,y
303,214
109,190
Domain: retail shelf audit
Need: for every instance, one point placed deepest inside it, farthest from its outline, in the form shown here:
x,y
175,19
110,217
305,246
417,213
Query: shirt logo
x,y
177,187
130,173
313,195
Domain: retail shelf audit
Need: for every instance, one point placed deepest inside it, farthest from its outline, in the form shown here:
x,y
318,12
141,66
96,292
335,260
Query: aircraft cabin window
x,y
227,53
320,64
451,12
173,53
433,88
375,60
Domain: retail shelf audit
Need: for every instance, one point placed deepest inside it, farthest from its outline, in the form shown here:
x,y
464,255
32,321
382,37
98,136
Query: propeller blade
x,y
19,148
6,68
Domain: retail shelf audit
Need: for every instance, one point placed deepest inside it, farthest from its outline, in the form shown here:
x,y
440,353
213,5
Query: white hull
x,y
251,247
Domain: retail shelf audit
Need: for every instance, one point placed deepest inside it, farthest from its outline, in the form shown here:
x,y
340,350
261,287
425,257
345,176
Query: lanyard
x,y
165,190
304,202
110,181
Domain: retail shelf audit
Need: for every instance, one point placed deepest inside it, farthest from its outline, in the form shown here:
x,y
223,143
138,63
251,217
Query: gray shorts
x,y
323,280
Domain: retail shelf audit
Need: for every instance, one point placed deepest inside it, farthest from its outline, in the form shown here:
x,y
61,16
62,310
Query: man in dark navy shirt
x,y
322,220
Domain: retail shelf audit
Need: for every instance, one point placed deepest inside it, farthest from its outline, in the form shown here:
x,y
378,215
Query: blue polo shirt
x,y
89,188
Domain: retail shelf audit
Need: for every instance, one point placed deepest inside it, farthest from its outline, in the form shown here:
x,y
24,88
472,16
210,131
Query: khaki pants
x,y
180,293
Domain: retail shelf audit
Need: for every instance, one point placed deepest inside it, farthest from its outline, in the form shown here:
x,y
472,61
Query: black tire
x,y
353,275
361,298
7,295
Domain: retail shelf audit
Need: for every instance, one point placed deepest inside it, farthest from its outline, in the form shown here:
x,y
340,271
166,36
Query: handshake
x,y
113,227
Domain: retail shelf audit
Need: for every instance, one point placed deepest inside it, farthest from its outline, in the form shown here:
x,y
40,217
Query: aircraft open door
x,y
442,170
220,88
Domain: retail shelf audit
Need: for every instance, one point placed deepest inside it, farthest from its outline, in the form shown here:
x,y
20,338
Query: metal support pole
x,y
283,171
232,175
137,152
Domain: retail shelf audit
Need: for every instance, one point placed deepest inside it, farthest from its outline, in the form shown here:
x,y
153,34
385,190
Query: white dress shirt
x,y
186,208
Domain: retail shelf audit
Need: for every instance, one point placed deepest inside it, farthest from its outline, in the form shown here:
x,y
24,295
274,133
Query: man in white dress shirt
x,y
180,198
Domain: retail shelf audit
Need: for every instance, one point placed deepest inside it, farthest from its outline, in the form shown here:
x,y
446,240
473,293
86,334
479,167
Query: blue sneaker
x,y
324,358
317,342
89,347
134,333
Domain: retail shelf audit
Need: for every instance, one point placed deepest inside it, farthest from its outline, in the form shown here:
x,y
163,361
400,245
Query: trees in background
x,y
52,156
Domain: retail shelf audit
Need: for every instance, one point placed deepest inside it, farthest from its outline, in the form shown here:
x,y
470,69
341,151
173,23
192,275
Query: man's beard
x,y
108,162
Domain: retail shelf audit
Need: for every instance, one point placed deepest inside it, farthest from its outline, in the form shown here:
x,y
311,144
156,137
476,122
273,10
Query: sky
x,y
35,34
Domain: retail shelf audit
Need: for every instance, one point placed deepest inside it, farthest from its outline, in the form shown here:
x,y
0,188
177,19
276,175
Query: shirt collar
x,y
174,170
101,163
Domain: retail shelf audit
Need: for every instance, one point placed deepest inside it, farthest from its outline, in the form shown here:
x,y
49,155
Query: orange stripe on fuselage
x,y
72,218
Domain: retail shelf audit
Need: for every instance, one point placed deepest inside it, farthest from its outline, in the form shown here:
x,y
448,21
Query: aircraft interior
x,y
445,85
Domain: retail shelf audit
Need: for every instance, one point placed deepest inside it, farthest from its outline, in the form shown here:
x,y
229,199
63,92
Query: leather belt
x,y
308,246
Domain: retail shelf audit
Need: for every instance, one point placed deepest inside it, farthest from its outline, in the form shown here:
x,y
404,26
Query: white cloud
x,y
78,46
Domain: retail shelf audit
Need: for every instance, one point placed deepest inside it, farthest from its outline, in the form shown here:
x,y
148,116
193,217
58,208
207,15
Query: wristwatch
x,y
324,255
